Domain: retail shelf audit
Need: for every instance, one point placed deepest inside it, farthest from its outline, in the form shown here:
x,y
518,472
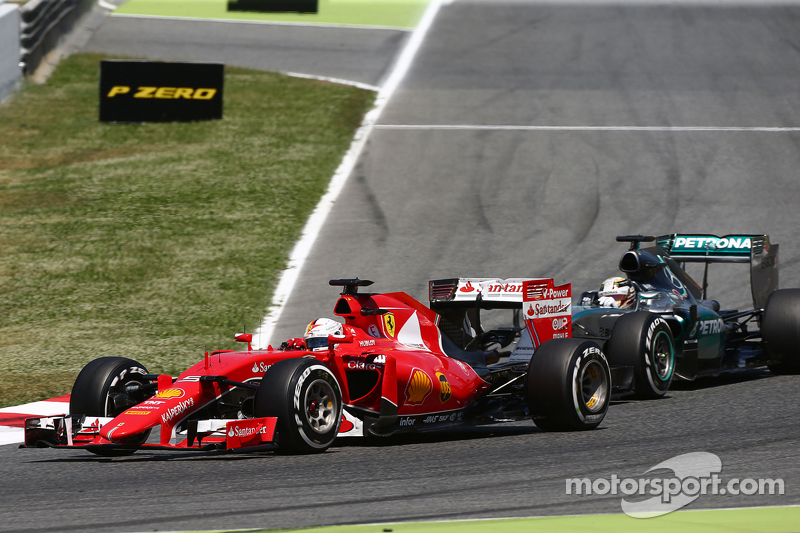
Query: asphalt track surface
x,y
427,203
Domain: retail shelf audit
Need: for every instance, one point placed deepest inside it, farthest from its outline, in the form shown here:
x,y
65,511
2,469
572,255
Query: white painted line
x,y
106,5
334,80
297,258
39,408
269,22
499,127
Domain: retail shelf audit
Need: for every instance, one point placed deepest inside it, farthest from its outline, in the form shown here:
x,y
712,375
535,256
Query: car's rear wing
x,y
744,248
545,308
485,293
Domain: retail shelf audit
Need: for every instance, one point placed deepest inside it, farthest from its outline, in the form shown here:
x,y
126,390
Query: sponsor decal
x,y
380,360
177,410
560,323
346,425
136,412
361,365
728,243
444,387
508,287
364,344
260,368
240,432
708,327
467,288
164,92
551,294
407,421
373,330
536,310
153,402
249,432
438,419
170,393
419,387
389,324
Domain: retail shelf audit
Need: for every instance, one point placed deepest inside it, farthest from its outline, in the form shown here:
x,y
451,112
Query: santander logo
x,y
467,288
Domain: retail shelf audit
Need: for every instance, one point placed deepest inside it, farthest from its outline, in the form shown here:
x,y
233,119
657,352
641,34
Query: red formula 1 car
x,y
392,370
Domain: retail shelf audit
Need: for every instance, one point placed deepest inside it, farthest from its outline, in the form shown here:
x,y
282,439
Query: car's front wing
x,y
79,431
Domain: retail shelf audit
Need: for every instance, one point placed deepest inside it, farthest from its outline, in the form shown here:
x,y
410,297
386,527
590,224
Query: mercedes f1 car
x,y
672,330
393,369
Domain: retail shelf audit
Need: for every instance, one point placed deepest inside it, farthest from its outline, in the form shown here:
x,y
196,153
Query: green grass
x,y
391,13
146,241
756,520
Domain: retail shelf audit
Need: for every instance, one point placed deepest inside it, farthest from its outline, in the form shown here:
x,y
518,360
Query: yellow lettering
x,y
204,94
165,92
183,92
118,89
145,92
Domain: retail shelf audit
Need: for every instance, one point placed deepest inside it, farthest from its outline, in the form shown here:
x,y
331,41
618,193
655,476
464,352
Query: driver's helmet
x,y
617,292
317,333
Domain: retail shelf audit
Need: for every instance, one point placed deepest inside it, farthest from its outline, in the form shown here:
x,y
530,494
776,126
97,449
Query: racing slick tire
x,y
780,331
99,390
307,400
644,341
568,385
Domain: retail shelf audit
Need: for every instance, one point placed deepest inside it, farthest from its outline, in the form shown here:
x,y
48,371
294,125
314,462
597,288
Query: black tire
x,y
307,400
644,341
99,391
568,385
780,331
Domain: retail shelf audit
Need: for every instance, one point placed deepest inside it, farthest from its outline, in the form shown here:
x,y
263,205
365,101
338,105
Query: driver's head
x,y
617,292
317,333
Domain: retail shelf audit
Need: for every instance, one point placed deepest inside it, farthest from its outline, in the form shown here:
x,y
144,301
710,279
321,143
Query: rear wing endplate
x,y
753,249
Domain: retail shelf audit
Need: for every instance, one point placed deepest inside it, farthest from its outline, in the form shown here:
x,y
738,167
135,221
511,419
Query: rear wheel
x,y
780,331
644,341
100,390
306,398
568,385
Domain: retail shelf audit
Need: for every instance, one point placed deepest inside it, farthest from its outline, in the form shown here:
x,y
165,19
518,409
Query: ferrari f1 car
x,y
391,370
672,330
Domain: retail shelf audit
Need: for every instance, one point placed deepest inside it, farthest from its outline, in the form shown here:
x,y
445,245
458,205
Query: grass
x,y
148,240
388,13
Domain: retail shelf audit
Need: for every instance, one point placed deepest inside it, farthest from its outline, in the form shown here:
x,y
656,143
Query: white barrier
x,y
10,71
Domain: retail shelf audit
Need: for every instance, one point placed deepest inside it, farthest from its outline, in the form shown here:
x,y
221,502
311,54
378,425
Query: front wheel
x,y
568,385
644,341
100,390
306,398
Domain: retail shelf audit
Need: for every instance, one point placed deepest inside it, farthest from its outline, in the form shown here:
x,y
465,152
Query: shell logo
x,y
444,387
419,386
170,393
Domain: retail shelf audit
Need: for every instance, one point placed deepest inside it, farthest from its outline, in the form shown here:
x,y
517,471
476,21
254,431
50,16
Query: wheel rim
x,y
663,356
320,406
594,386
118,399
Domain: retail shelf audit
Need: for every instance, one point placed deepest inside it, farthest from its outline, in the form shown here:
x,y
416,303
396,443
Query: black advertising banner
x,y
156,91
274,6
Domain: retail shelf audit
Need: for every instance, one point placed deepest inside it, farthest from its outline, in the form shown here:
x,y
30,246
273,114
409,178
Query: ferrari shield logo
x,y
388,324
